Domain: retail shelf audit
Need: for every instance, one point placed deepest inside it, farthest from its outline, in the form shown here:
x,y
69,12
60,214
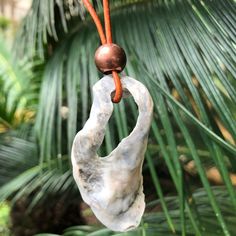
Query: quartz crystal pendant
x,y
113,185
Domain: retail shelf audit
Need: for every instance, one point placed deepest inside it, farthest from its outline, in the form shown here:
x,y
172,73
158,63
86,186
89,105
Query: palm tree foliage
x,y
184,52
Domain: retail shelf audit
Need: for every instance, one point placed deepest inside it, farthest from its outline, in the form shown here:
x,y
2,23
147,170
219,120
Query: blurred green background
x,y
182,50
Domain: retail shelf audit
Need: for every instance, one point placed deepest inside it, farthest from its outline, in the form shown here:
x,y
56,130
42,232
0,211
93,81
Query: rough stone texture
x,y
113,185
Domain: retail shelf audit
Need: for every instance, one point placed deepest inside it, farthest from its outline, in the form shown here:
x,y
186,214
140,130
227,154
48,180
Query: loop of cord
x,y
106,39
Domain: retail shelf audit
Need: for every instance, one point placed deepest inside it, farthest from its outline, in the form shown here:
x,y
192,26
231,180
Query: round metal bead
x,y
110,57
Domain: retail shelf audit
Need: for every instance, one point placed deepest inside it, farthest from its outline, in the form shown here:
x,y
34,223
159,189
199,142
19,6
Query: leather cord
x,y
106,39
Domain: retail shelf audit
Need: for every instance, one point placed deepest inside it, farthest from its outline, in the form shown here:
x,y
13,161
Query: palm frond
x,y
19,89
156,224
17,155
32,179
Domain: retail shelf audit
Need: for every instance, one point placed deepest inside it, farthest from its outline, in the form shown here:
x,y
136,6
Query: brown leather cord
x,y
106,39
96,20
107,20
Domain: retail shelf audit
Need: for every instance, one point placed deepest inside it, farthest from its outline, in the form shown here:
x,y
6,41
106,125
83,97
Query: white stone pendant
x,y
113,185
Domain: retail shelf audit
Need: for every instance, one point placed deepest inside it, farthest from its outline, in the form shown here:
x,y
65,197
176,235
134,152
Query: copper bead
x,y
110,57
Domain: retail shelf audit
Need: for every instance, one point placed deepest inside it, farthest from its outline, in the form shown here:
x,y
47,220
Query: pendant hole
x,y
120,125
125,94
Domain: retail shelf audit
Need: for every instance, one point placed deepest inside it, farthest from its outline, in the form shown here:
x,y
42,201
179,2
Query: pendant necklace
x,y
113,185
